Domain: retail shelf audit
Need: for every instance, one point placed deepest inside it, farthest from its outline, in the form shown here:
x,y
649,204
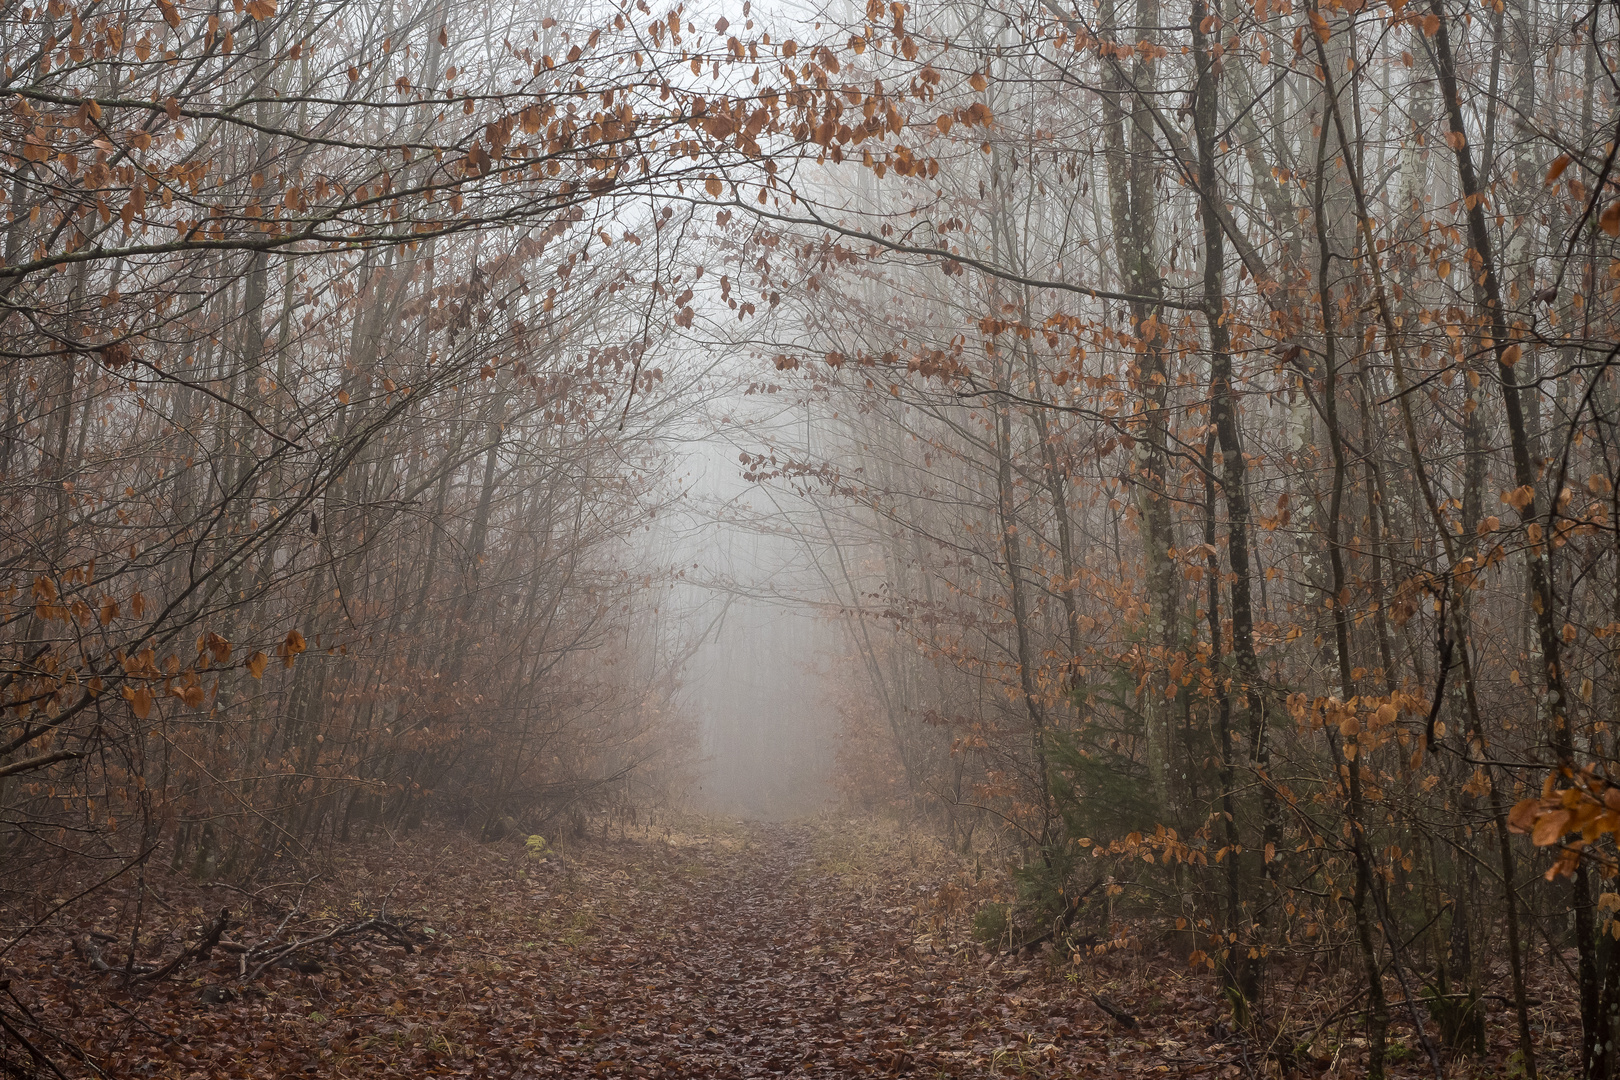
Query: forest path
x,y
837,949
788,950
755,962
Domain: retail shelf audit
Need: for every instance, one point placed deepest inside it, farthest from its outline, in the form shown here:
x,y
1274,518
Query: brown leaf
x,y
1523,815
1519,497
1550,827
1609,222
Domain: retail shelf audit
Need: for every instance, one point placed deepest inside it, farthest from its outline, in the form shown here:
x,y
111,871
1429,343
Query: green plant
x,y
1461,1019
1242,1020
1097,788
990,922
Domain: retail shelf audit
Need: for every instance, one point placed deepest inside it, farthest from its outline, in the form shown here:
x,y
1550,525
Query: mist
x,y
759,634
917,538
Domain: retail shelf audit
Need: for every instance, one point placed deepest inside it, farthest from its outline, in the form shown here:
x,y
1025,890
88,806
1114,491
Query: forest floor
x,y
832,949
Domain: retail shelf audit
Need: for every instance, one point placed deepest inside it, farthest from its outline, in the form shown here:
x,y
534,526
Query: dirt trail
x,y
747,952
761,967
766,962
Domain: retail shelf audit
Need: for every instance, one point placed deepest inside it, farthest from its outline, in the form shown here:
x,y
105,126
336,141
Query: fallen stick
x,y
88,947
199,952
1113,1009
252,960
389,930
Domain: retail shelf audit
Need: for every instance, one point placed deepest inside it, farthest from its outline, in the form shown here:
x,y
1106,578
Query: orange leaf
x,y
1560,163
1550,828
170,13
1519,497
141,703
290,647
256,664
1523,815
713,186
1610,221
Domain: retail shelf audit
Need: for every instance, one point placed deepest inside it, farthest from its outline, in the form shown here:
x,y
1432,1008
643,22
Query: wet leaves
x,y
741,956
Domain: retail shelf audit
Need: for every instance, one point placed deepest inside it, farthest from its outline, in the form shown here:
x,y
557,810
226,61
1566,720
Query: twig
x,y
199,952
33,1051
72,1048
392,931
39,762
1063,922
1113,1009
77,897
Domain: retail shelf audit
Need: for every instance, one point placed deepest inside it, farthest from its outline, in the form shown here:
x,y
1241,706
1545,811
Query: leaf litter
x,y
831,949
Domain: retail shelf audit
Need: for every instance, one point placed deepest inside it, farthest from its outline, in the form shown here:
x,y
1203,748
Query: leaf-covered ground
x,y
827,950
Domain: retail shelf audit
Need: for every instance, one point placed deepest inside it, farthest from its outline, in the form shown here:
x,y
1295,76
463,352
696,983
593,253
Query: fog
x,y
750,616
766,728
